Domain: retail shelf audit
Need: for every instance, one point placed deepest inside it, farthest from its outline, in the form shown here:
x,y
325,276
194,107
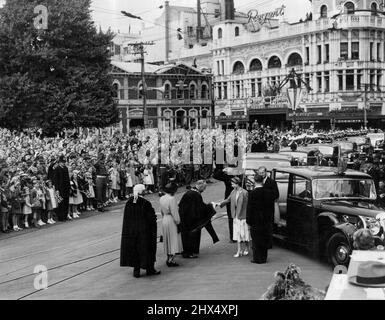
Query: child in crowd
x,y
27,207
89,192
148,178
37,197
51,201
75,196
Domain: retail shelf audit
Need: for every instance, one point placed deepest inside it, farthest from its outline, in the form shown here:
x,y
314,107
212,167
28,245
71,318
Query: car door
x,y
282,180
300,212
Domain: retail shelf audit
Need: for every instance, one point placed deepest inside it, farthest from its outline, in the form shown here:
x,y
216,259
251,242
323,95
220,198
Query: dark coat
x,y
259,218
138,244
61,181
272,187
222,176
194,215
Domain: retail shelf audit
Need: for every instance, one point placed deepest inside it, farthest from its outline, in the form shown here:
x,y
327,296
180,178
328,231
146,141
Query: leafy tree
x,y
55,78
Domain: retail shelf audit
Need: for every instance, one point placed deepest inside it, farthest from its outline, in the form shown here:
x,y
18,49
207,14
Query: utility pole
x,y
138,48
199,20
365,101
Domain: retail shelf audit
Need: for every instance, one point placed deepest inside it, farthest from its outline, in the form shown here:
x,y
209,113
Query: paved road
x,y
82,257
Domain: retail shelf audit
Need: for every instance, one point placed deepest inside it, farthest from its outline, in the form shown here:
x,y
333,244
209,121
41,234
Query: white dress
x,y
148,178
241,230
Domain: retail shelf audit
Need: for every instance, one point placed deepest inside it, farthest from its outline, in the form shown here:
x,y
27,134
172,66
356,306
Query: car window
x,y
301,188
344,188
281,176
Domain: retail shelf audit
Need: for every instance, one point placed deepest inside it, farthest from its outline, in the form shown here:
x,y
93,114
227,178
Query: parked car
x,y
320,209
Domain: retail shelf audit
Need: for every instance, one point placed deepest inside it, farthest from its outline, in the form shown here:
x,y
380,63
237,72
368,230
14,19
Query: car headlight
x,y
372,224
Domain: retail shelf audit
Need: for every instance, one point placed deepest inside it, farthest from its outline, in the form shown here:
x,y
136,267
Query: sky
x,y
106,13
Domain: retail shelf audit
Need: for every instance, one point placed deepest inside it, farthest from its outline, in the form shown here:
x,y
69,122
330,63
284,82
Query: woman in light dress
x,y
238,203
172,239
148,178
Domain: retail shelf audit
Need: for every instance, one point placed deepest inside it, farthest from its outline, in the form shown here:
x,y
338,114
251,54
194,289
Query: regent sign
x,y
261,19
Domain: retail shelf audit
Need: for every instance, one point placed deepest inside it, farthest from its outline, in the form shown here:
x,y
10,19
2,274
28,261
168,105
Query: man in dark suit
x,y
260,220
271,186
221,175
61,181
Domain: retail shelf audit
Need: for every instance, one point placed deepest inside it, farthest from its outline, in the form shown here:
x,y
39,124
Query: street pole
x,y
144,95
365,101
139,49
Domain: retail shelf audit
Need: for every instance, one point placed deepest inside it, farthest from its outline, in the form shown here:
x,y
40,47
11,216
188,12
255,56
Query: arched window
x,y
204,119
115,90
374,9
193,119
167,91
193,90
238,68
274,62
236,31
180,118
255,65
349,7
167,114
324,11
220,33
204,92
294,60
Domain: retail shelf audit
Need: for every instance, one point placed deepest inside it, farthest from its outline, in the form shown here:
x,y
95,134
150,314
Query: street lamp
x,y
294,92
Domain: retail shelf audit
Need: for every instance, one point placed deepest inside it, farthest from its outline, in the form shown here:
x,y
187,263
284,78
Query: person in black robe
x,y
221,175
260,220
194,215
138,244
271,186
61,181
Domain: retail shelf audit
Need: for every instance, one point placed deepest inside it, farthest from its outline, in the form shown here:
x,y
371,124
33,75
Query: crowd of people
x,y
45,179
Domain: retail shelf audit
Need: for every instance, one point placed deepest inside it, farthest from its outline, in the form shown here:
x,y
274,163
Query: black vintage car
x,y
320,210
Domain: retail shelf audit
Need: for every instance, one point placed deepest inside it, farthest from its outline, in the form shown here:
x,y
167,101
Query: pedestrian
x,y
221,174
194,215
271,186
172,240
101,181
61,181
238,202
89,190
27,208
76,197
4,205
260,220
148,178
138,243
115,182
51,202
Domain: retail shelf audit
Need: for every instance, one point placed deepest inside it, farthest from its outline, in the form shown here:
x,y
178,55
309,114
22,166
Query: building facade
x,y
339,50
178,96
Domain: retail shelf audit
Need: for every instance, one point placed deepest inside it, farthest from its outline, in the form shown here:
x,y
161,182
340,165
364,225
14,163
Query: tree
x,y
58,77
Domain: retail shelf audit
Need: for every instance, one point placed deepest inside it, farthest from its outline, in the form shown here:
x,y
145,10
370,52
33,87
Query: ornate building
x,y
338,49
178,95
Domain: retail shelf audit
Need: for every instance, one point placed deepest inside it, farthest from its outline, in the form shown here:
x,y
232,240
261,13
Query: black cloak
x,y
138,245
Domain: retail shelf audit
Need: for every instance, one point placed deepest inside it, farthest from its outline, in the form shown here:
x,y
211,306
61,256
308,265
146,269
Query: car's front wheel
x,y
338,250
